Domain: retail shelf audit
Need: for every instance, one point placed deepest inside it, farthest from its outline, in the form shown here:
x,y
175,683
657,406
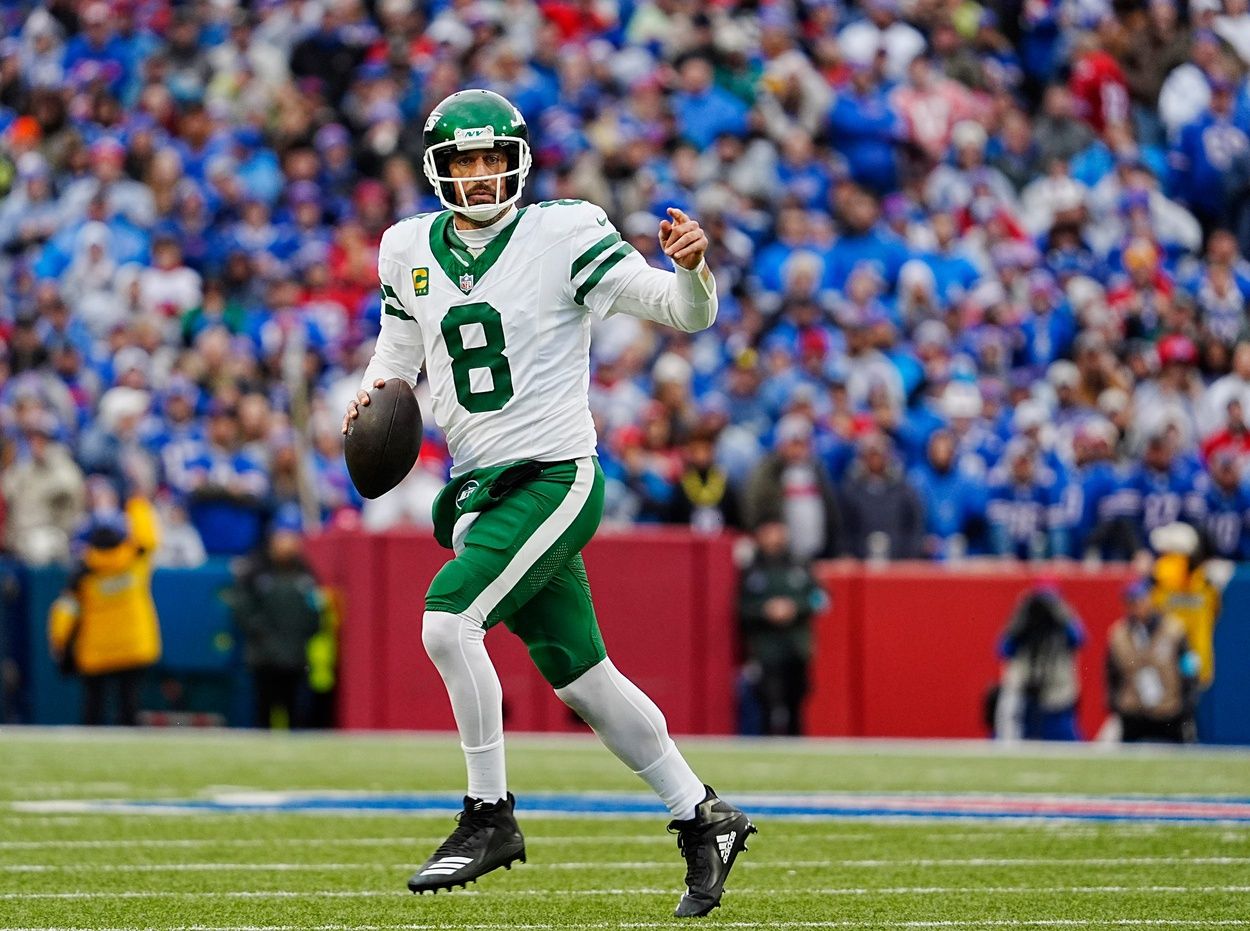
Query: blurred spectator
x,y
791,486
1148,56
224,487
180,546
1039,690
637,489
112,446
1214,410
1025,511
277,607
777,599
103,628
882,515
953,503
704,498
882,32
411,502
44,496
1159,490
1151,672
1209,144
1184,589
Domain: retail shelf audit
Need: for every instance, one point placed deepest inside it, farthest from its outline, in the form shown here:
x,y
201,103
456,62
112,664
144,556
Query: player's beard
x,y
484,212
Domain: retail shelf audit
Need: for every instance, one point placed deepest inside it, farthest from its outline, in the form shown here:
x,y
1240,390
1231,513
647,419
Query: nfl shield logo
x,y
466,283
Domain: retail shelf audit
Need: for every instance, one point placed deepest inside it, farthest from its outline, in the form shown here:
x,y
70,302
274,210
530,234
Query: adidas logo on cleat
x,y
725,843
446,866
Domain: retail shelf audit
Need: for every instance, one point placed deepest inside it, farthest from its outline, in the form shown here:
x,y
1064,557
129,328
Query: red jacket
x,y
1100,90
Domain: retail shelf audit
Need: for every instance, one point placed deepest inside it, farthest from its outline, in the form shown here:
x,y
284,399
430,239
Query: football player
x,y
496,301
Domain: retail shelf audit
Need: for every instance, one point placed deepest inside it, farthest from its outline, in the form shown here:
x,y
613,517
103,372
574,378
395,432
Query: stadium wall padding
x,y
910,650
665,601
907,650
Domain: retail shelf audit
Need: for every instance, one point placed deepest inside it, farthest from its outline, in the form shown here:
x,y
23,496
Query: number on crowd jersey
x,y
458,326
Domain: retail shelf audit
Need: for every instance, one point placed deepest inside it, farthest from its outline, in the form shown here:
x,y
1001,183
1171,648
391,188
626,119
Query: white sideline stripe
x,y
1057,833
541,540
647,864
530,893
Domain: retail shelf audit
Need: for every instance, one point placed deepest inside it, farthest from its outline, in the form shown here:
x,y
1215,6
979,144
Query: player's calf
x,y
486,838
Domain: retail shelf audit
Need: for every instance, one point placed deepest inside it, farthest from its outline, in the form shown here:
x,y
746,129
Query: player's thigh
x,y
559,628
512,550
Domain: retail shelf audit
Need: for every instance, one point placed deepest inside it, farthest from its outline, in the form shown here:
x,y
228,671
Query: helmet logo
x,y
480,137
434,118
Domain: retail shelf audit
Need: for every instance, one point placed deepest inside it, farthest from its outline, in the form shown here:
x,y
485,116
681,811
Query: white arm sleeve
x,y
400,351
682,299
608,277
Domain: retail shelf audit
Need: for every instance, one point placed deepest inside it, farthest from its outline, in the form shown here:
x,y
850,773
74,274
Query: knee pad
x,y
441,634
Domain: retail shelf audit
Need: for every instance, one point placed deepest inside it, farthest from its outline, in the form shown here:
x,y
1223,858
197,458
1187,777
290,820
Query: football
x,y
382,443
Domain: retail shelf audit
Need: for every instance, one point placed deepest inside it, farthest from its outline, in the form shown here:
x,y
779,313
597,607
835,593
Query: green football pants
x,y
519,561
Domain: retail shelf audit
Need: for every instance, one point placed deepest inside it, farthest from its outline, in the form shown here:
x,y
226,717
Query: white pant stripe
x,y
545,537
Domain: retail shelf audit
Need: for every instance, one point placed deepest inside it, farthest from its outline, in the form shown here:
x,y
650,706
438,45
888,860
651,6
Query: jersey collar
x,y
453,256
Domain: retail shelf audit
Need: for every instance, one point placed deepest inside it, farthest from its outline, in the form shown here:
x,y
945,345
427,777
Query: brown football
x,y
382,443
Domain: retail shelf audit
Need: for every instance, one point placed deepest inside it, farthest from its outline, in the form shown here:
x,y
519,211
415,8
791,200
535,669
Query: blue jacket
x,y
1225,517
884,250
713,113
1203,155
864,132
1028,520
953,504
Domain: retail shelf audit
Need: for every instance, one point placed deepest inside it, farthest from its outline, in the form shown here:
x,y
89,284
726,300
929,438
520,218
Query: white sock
x,y
457,646
632,727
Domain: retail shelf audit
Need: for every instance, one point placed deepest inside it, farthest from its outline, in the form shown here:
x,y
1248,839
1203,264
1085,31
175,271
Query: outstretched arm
x,y
685,298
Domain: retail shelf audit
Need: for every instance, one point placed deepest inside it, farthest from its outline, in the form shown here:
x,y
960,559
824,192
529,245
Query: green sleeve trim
x,y
391,303
589,255
600,270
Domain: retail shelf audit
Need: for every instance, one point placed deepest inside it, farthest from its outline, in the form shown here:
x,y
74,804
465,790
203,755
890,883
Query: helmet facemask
x,y
452,191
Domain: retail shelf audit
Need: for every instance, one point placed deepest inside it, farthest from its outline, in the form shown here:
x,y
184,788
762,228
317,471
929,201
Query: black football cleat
x,y
486,838
710,842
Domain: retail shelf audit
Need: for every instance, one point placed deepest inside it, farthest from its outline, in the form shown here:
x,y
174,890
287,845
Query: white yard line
x,y
530,893
644,864
843,923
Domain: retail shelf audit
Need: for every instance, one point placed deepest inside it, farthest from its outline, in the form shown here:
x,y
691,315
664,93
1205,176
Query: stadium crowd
x,y
980,266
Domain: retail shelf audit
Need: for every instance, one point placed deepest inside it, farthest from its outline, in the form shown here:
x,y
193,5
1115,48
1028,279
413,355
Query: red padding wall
x,y
910,650
665,601
903,651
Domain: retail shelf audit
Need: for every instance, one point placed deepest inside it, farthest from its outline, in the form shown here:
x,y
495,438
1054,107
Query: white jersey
x,y
505,337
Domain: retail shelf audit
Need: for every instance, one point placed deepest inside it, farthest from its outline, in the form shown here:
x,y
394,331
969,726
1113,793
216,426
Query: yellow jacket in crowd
x,y
1190,598
106,615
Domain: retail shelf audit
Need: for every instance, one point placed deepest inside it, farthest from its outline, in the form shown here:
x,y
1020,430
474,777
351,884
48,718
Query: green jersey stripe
x,y
590,254
602,269
388,308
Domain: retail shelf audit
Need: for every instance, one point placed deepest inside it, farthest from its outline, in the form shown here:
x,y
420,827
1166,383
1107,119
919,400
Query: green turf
x,y
269,871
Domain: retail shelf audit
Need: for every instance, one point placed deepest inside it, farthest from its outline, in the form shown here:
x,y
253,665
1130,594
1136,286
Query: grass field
x,y
66,866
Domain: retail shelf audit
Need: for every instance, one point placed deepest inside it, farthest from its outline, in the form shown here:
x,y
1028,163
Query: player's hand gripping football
x,y
362,400
682,239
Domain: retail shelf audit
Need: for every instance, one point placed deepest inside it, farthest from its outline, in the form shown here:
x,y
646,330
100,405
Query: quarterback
x,y
496,302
